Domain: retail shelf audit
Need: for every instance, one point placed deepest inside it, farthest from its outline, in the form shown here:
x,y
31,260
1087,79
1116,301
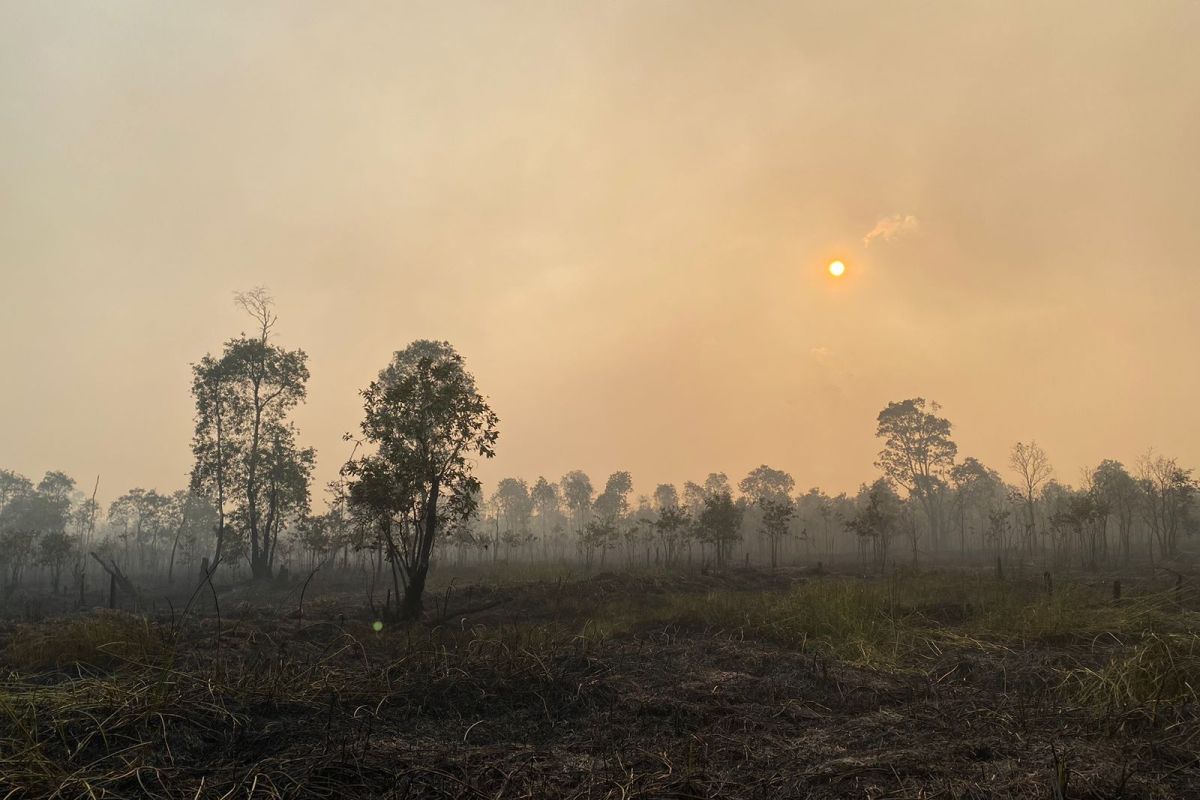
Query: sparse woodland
x,y
251,505
951,629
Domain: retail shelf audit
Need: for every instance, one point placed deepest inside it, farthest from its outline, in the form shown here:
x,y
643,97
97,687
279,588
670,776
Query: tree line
x,y
407,497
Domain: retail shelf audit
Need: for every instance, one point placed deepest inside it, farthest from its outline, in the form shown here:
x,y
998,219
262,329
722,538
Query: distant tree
x,y
1085,515
547,509
515,509
577,495
976,489
998,530
192,517
817,510
29,515
693,498
768,491
143,516
598,535
918,454
671,527
57,486
611,506
1119,491
613,502
719,524
877,519
717,483
666,496
765,483
426,419
777,516
1168,493
1033,469
244,446
55,549
12,485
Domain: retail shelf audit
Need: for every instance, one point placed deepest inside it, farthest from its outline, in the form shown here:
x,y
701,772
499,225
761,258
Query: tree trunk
x,y
415,588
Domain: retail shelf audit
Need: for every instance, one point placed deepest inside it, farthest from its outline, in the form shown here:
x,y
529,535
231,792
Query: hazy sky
x,y
620,213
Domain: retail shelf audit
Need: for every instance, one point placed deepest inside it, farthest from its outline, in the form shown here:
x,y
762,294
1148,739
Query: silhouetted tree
x,y
577,494
876,519
719,524
244,446
1120,493
768,491
426,419
918,454
1033,469
1168,493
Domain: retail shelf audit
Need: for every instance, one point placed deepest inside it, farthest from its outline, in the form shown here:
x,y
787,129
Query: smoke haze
x,y
619,213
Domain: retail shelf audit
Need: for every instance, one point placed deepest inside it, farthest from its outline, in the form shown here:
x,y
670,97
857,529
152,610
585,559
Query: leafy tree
x,y
54,550
777,513
765,483
769,492
717,483
612,507
12,485
514,508
877,519
613,502
918,454
671,527
577,495
547,508
817,510
1168,493
192,516
246,458
1119,491
666,496
598,534
1084,515
976,488
719,524
143,516
426,419
28,515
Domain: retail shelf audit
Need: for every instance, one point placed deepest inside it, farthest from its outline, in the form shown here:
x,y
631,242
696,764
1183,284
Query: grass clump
x,y
1162,671
105,639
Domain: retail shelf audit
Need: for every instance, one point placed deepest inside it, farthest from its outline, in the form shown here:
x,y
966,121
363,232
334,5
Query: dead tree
x,y
118,578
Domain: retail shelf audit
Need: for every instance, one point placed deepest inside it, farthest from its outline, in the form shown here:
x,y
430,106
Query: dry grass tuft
x,y
104,639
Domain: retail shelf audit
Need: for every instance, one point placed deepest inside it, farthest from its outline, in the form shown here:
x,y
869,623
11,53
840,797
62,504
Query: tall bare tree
x,y
1033,469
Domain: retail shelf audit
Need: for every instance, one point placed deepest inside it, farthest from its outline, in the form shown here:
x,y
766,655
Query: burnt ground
x,y
525,697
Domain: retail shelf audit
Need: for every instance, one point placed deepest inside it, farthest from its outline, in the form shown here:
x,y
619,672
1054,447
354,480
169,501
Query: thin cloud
x,y
892,227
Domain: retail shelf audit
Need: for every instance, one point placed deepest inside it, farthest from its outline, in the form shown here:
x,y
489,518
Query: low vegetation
x,y
651,684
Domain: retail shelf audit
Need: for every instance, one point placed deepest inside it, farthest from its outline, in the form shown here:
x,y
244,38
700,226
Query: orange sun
x,y
837,269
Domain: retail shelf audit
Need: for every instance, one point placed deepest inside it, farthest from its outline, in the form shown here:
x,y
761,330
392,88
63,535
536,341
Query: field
x,y
743,684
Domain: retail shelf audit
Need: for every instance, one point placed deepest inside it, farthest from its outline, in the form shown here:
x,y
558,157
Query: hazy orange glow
x,y
617,213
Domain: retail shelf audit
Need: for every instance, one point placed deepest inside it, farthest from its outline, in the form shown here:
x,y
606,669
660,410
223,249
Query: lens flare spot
x,y
377,626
